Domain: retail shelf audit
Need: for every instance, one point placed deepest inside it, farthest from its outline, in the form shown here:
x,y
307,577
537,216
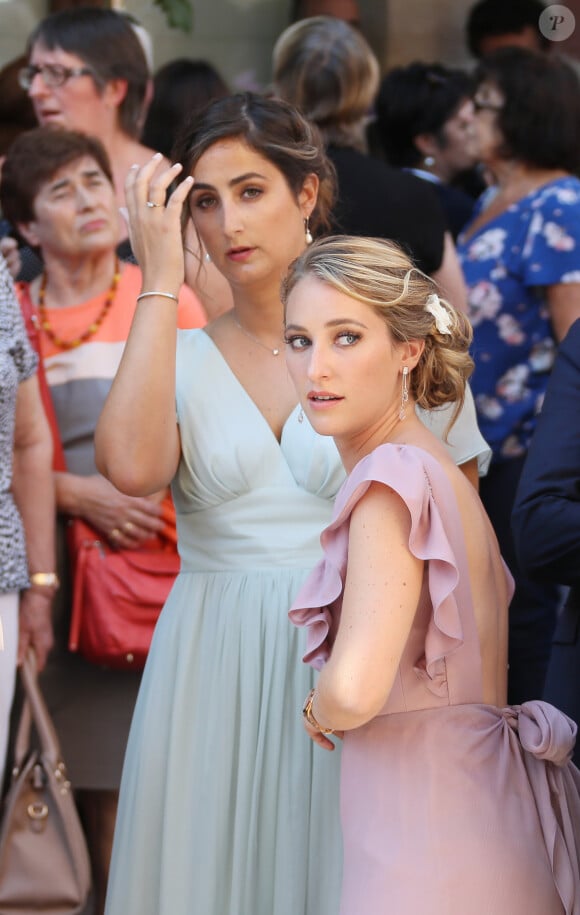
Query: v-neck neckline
x,y
248,397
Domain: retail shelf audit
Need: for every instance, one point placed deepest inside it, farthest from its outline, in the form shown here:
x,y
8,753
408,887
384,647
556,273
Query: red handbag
x,y
117,596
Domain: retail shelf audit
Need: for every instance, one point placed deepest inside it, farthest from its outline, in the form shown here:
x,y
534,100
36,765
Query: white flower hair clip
x,y
442,317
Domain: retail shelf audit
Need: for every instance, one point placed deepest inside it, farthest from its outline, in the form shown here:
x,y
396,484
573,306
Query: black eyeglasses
x,y
53,75
485,106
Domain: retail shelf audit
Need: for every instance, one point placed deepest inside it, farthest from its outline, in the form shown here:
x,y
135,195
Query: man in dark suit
x,y
546,518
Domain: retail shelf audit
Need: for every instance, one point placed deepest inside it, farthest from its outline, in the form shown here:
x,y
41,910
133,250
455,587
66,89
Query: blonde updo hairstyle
x,y
378,272
326,68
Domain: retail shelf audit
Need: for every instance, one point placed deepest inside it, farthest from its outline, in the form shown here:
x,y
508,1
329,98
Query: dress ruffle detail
x,y
317,606
548,735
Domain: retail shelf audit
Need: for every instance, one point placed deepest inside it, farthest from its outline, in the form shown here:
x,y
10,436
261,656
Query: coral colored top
x,y
79,379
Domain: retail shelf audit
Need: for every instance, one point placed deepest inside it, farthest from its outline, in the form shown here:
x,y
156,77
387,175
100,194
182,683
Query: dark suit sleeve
x,y
546,516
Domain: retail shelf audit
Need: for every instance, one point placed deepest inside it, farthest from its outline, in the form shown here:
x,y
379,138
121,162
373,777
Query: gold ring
x,y
115,533
151,204
128,526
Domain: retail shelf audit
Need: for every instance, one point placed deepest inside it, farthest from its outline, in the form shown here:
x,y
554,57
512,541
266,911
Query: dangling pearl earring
x,y
207,257
307,233
404,392
429,161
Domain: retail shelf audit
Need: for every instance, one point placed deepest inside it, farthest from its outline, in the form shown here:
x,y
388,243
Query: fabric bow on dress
x,y
547,737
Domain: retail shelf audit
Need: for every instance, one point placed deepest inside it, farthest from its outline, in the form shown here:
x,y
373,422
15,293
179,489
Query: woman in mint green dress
x,y
226,808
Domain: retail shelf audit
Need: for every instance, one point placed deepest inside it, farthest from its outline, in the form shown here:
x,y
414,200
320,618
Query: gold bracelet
x,y
309,715
164,295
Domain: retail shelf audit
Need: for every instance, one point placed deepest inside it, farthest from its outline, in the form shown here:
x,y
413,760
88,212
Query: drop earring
x,y
301,415
404,392
207,257
307,233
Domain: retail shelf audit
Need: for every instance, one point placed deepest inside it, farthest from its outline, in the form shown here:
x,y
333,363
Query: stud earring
x,y
404,392
301,416
429,161
307,233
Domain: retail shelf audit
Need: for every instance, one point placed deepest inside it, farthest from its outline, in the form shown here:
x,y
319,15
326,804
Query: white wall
x,y
17,18
235,35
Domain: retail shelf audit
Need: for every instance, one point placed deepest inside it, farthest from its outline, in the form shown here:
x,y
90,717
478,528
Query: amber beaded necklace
x,y
93,326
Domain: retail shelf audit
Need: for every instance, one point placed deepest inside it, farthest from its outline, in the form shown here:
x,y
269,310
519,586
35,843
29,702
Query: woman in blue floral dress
x,y
521,260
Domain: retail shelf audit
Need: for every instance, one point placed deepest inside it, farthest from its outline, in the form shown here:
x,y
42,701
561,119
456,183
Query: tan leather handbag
x,y
44,862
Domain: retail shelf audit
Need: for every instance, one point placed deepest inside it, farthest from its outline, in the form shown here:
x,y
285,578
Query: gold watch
x,y
45,580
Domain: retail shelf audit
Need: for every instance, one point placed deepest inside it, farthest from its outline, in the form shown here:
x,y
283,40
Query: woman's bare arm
x,y
33,488
137,442
471,471
381,594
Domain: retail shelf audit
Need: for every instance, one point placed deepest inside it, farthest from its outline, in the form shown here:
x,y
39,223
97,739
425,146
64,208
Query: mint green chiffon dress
x,y
226,807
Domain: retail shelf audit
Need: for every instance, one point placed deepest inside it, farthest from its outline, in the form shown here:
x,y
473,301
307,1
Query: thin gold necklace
x,y
93,326
273,351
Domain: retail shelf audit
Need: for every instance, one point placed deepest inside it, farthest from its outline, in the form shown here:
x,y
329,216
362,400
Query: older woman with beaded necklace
x,y
57,189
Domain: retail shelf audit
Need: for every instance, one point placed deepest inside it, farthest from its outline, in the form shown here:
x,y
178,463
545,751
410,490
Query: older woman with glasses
x,y
521,260
87,71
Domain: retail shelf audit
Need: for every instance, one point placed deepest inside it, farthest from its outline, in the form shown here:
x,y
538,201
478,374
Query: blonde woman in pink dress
x,y
451,803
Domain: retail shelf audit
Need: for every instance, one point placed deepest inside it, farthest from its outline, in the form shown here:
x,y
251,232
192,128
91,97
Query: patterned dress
x,y
17,363
508,263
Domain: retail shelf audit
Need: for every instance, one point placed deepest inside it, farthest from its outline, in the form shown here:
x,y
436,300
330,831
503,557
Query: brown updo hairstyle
x,y
378,272
275,130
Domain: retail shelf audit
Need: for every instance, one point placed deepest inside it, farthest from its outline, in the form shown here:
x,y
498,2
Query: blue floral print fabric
x,y
508,263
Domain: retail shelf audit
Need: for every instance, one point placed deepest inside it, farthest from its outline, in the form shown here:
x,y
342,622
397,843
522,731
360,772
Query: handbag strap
x,y
22,739
77,600
35,710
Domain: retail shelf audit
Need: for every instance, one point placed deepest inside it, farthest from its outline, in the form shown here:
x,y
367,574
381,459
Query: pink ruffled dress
x,y
449,806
